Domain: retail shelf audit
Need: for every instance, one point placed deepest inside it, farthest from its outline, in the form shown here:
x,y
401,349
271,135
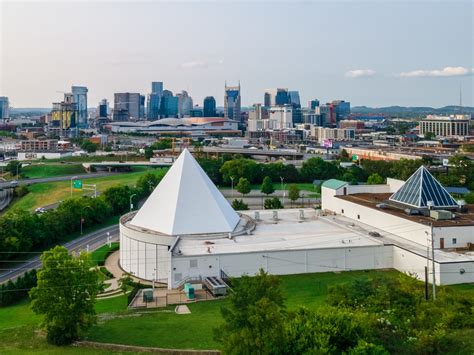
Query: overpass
x,y
250,152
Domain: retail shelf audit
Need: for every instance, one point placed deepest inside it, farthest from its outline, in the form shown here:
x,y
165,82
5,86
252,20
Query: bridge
x,y
124,165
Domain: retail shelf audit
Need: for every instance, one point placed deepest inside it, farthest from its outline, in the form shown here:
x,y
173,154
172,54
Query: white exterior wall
x,y
462,234
144,255
282,262
445,273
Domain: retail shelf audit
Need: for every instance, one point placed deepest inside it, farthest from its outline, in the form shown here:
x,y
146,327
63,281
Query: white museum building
x,y
187,230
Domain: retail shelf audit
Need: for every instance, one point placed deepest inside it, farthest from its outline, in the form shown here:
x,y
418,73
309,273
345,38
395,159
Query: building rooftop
x,y
288,233
372,200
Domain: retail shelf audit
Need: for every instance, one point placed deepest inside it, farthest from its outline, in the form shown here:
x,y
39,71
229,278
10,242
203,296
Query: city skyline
x,y
373,54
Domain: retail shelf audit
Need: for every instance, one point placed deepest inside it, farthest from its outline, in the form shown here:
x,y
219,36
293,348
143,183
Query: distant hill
x,y
29,110
415,111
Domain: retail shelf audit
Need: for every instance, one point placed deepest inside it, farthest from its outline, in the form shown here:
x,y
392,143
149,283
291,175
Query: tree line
x,y
378,315
227,168
23,231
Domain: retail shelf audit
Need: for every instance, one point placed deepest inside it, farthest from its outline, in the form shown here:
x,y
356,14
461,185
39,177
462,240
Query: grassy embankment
x,y
164,328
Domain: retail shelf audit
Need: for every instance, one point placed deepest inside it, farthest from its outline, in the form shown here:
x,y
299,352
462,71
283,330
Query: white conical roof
x,y
186,202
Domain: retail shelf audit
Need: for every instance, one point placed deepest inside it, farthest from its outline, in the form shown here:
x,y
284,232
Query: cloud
x,y
360,73
200,64
445,72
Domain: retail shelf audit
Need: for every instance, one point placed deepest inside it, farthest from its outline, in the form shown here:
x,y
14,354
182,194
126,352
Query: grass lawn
x,y
98,256
164,328
277,186
49,193
42,170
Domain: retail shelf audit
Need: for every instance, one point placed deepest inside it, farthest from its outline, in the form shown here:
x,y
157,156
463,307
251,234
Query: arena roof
x,y
186,202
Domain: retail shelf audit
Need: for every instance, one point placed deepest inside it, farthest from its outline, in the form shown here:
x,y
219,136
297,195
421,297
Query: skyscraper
x,y
313,104
294,98
154,100
276,97
80,98
103,109
209,106
169,104
342,109
157,87
232,103
126,106
142,107
64,117
185,103
4,107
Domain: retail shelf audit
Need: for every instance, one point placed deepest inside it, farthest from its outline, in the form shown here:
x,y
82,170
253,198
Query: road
x,y
55,179
94,240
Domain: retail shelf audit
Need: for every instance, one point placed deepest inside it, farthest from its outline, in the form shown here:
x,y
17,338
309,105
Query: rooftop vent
x,y
441,215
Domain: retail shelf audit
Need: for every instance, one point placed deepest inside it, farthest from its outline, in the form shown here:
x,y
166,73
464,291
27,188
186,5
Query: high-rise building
x,y
294,98
281,117
342,109
126,106
154,100
157,87
276,97
4,107
103,109
185,103
64,117
209,107
313,104
196,112
142,107
80,98
169,104
232,103
445,126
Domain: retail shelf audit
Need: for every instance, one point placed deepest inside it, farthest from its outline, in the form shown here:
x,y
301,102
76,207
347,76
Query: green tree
x,y
293,192
267,186
163,143
13,167
272,204
243,186
238,168
148,152
118,197
375,179
429,136
125,282
469,198
147,183
239,205
317,168
65,295
254,318
89,147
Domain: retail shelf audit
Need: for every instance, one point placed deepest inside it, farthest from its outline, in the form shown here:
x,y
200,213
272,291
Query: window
x,y
454,241
193,263
178,276
342,211
358,216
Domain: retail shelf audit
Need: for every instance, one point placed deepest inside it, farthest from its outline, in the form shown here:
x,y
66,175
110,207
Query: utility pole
x,y
433,261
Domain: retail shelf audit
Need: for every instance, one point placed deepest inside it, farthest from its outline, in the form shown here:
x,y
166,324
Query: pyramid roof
x,y
422,187
186,202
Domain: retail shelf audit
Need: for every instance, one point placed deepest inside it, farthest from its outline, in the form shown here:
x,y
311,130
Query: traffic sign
x,y
445,162
77,184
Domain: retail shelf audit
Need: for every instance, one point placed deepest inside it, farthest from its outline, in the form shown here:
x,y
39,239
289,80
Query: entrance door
x,y
441,243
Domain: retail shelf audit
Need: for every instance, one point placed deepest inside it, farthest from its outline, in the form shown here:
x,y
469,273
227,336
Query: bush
x,y
15,291
106,272
239,205
21,191
272,204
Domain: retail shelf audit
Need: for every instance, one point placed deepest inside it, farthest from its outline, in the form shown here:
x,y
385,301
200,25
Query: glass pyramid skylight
x,y
422,187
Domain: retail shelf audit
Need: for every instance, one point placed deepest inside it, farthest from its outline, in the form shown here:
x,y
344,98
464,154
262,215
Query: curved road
x,y
94,240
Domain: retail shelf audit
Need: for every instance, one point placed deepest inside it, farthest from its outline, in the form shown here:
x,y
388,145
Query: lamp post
x,y
82,211
232,186
17,167
282,191
131,204
74,177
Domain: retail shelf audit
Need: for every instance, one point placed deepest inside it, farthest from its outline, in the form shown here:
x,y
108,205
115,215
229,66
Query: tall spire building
x,y
232,107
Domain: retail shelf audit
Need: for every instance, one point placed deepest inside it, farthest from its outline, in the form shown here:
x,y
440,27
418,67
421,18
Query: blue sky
x,y
370,53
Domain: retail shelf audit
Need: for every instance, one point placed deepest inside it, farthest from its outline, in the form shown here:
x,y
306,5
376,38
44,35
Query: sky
x,y
373,53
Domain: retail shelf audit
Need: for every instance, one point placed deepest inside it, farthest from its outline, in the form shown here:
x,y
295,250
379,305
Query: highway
x,y
55,179
94,240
